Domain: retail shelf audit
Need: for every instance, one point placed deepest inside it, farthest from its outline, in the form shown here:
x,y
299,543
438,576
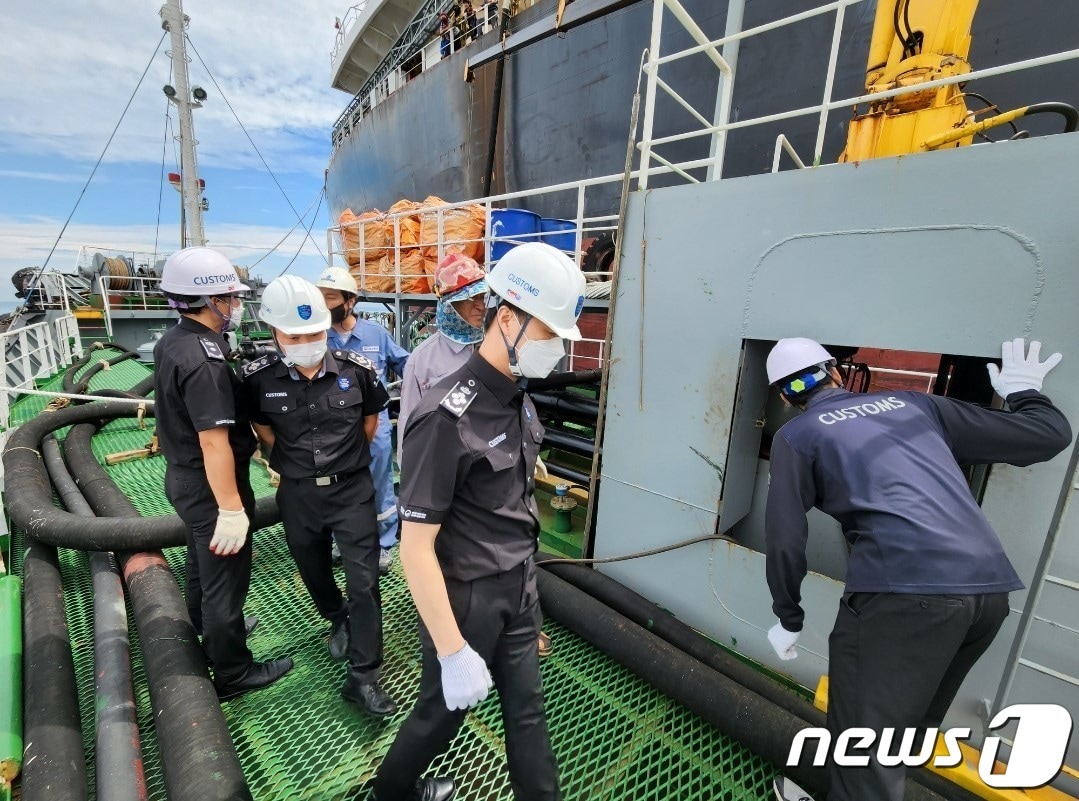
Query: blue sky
x,y
66,71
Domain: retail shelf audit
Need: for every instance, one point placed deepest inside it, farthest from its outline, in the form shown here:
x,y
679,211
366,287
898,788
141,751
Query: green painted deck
x,y
614,736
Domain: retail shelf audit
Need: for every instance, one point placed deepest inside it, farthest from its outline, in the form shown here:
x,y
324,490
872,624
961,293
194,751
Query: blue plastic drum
x,y
512,227
559,234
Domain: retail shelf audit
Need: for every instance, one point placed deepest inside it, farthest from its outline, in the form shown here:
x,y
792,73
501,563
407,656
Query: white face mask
x,y
537,358
306,355
236,316
232,320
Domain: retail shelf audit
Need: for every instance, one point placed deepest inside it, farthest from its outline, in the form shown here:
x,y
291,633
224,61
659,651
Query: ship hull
x,y
566,102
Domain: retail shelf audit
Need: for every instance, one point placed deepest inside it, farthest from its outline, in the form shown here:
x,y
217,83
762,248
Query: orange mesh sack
x,y
375,243
382,278
379,276
477,212
414,280
350,237
429,224
462,232
409,225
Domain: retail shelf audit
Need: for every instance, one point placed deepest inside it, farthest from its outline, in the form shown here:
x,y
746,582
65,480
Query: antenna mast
x,y
175,21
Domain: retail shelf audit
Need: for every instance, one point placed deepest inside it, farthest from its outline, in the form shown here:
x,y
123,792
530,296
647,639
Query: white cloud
x,y
58,177
67,69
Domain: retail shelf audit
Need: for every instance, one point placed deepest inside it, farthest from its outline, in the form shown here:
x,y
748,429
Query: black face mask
x,y
338,314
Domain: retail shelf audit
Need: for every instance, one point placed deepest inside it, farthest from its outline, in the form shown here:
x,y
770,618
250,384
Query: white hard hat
x,y
542,281
793,355
339,279
200,271
294,306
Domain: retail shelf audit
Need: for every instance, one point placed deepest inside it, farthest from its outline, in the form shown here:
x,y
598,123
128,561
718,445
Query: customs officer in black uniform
x,y
469,528
320,411
207,442
927,580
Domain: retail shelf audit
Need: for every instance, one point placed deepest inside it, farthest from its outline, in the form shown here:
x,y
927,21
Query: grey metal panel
x,y
740,473
961,267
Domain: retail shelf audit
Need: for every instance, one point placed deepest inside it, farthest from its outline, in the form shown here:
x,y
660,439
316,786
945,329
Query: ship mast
x,y
174,21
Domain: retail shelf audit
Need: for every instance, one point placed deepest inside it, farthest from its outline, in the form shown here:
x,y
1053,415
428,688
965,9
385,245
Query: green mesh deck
x,y
614,736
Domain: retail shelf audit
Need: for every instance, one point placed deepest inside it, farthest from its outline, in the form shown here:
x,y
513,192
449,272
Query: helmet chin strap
x,y
209,300
512,349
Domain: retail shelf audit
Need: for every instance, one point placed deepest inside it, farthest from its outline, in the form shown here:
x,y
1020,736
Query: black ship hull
x,y
566,101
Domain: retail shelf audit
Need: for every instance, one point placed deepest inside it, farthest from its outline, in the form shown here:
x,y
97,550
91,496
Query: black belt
x,y
325,481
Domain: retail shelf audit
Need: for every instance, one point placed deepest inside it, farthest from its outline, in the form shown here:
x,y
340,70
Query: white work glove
x,y
540,473
1019,372
465,678
783,641
230,533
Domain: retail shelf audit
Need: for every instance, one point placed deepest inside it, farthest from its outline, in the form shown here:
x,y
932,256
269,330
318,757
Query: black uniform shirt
x,y
468,456
195,390
888,468
317,423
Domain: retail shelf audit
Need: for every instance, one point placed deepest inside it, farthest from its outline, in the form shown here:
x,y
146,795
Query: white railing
x,y
401,263
586,354
66,339
138,294
401,240
721,124
33,352
350,18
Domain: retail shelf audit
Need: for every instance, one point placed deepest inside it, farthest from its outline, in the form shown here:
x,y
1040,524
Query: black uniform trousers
x,y
898,661
499,616
216,586
310,514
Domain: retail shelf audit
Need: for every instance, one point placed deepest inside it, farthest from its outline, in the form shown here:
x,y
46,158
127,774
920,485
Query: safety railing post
x,y
829,81
652,68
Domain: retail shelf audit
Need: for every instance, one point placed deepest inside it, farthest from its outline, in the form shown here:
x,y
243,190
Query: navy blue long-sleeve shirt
x,y
888,467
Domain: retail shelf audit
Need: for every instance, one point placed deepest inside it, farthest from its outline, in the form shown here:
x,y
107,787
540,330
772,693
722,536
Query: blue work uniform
x,y
928,579
375,343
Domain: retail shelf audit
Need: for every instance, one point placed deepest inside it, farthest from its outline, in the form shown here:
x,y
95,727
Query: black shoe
x,y
385,560
259,675
339,640
440,788
371,697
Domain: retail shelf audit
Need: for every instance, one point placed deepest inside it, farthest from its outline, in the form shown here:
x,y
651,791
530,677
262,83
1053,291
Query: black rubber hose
x,y
573,407
569,473
81,386
553,438
54,764
198,757
666,626
564,379
739,713
117,747
1069,113
140,390
197,754
69,382
29,493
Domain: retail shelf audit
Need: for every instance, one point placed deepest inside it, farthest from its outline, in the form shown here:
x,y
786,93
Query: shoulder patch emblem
x,y
355,358
213,350
344,383
458,399
258,364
